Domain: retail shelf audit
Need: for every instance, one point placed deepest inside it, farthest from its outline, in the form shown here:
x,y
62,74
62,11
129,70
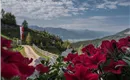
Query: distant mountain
x,y
66,34
98,41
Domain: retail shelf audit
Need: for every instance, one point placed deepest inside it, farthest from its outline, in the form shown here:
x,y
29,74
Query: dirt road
x,y
30,53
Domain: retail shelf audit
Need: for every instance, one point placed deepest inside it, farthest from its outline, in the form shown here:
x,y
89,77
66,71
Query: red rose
x,y
81,73
90,50
42,69
70,57
91,62
108,46
123,43
13,63
115,66
81,59
94,61
5,43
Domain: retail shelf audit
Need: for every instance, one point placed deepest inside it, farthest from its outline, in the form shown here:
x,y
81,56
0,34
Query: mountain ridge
x,y
66,34
98,41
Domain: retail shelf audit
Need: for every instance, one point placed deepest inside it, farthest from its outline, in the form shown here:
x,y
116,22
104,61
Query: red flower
x,y
108,46
5,43
70,57
90,50
112,46
91,62
81,59
25,70
124,42
94,61
70,67
11,59
81,73
115,66
42,68
9,70
13,63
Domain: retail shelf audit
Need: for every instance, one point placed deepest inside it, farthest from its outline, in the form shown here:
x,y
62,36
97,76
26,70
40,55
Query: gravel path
x,y
30,53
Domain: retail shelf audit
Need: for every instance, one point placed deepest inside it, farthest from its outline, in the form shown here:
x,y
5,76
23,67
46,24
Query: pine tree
x,y
29,39
25,24
8,18
2,12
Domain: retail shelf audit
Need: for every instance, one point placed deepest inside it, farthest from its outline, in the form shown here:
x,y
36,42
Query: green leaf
x,y
107,62
125,57
111,76
127,61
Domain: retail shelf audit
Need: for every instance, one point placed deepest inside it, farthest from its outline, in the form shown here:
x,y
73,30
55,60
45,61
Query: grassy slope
x,y
40,54
21,50
97,42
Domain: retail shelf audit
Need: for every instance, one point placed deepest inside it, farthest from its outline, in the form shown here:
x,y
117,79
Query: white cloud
x,y
124,4
41,9
107,4
48,9
98,17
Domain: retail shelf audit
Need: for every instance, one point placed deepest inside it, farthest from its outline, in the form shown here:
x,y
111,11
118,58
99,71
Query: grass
x,y
21,50
40,54
17,48
5,37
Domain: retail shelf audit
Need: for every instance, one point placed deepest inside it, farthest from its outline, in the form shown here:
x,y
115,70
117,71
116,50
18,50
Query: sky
x,y
99,15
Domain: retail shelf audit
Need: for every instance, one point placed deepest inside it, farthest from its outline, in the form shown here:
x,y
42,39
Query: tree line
x,y
10,19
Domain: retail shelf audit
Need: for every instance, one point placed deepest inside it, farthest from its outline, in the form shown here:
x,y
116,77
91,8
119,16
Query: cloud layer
x,y
41,9
48,9
98,23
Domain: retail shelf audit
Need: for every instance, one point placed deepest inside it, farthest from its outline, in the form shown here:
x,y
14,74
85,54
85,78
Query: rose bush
x,y
98,63
109,61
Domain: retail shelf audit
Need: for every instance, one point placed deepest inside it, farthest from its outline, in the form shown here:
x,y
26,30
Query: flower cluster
x,y
111,58
95,62
14,64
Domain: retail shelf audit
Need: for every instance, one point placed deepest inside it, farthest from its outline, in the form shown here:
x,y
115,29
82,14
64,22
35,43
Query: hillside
x,y
42,39
97,41
66,34
11,31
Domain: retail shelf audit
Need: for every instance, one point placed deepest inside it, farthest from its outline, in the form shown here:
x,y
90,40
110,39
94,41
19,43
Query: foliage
x,y
8,18
25,24
19,49
79,49
55,71
66,44
2,13
29,39
40,54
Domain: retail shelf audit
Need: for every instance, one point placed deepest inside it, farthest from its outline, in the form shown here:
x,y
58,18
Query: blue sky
x,y
100,15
